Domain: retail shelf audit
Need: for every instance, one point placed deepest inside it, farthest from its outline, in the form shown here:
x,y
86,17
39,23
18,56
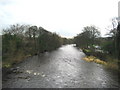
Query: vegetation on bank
x,y
106,50
111,64
0,51
21,41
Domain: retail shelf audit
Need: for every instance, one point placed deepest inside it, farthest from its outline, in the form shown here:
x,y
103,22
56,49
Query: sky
x,y
65,17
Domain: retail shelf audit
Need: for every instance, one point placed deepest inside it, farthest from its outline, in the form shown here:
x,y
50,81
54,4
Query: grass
x,y
94,59
110,64
13,59
87,50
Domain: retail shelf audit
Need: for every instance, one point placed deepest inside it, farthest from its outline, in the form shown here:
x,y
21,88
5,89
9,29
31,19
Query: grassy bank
x,y
14,59
109,64
22,41
101,58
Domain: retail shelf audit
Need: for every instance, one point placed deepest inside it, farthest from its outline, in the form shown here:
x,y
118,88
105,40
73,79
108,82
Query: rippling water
x,y
62,68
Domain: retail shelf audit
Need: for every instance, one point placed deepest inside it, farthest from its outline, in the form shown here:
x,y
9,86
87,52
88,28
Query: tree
x,y
21,41
48,41
91,33
113,40
88,37
118,41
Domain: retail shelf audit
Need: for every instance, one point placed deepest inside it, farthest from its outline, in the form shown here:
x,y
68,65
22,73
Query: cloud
x,y
59,16
6,2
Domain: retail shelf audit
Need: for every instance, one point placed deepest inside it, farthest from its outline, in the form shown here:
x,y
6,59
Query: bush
x,y
19,43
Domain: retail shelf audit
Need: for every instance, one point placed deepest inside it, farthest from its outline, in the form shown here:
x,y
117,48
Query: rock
x,y
27,77
15,70
43,75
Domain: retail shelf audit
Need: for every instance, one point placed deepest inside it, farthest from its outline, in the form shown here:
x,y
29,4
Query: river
x,y
61,68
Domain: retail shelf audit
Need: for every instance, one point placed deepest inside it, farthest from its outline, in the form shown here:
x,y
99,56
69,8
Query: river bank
x,y
61,68
101,58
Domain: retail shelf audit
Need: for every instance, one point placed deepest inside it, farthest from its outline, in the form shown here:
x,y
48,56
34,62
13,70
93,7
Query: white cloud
x,y
59,15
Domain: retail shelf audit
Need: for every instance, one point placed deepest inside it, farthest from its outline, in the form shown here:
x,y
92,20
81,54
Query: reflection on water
x,y
29,71
35,73
63,68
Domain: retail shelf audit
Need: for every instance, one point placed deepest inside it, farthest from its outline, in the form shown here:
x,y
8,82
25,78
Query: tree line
x,y
19,41
108,48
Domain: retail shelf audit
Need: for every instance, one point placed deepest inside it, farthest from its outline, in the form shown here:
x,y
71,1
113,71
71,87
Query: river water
x,y
61,68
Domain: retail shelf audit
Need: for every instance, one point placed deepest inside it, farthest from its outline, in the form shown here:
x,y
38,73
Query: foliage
x,y
88,37
112,42
67,41
94,59
108,46
48,42
20,41
110,64
118,41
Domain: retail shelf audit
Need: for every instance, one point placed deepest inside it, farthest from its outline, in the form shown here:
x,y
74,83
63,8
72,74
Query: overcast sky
x,y
65,17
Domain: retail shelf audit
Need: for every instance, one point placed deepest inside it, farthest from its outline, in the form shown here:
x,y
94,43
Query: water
x,y
62,68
